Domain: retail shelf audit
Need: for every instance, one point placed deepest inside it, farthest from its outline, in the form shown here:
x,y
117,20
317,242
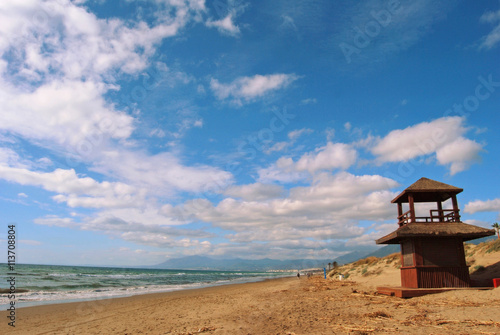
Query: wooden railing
x,y
436,215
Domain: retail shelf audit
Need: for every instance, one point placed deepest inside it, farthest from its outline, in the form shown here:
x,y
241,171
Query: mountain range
x,y
207,263
266,264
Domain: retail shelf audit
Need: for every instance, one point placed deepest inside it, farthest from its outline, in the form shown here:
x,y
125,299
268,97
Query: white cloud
x,y
295,134
249,88
53,94
254,192
62,37
64,60
55,221
459,154
139,168
330,202
282,171
302,223
70,114
146,227
493,38
225,25
331,156
482,206
11,158
71,188
443,137
278,146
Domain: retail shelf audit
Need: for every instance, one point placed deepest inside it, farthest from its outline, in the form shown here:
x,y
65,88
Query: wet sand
x,y
278,306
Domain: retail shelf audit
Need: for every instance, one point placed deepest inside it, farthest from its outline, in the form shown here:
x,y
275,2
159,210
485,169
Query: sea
x,y
48,284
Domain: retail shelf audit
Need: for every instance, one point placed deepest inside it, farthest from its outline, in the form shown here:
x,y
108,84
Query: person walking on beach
x,y
298,275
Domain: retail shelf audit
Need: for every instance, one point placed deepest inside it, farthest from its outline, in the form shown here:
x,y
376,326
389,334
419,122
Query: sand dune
x,y
483,260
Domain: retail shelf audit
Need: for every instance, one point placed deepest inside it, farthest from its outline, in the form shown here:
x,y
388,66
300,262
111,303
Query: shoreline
x,y
174,288
284,305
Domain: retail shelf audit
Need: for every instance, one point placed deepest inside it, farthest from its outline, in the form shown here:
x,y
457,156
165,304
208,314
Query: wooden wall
x,y
437,262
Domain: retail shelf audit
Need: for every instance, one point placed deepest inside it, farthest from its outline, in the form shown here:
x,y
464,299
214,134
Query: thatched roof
x,y
427,190
453,229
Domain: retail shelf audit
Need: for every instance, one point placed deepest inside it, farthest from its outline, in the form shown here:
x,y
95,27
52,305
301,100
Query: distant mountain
x,y
207,263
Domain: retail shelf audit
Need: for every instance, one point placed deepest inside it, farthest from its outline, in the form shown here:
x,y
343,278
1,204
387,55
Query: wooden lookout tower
x,y
432,249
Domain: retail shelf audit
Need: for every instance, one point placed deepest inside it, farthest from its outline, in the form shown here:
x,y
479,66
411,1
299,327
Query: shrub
x,y
369,260
493,247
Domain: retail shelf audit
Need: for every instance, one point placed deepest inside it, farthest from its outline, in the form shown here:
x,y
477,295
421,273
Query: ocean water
x,y
55,284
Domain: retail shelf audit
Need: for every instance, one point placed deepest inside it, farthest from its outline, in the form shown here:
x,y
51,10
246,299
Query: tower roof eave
x,y
457,229
427,190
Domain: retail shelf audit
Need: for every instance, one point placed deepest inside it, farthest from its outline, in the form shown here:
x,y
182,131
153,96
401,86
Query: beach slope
x,y
278,306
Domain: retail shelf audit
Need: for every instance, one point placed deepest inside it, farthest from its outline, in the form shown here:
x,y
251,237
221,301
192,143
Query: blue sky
x,y
135,131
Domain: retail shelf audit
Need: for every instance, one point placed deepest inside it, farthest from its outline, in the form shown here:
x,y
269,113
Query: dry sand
x,y
286,306
280,306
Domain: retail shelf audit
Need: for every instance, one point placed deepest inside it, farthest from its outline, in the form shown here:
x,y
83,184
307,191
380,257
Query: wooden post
x,y
412,207
400,212
455,207
440,211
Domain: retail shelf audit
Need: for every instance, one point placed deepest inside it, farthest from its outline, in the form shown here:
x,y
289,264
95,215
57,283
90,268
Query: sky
x,y
136,131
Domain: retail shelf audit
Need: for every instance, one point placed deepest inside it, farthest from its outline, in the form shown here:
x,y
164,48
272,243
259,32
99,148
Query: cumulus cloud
x,y
69,114
310,222
61,37
71,188
442,137
139,168
459,154
58,63
250,88
129,225
330,202
254,192
59,60
329,157
282,171
482,206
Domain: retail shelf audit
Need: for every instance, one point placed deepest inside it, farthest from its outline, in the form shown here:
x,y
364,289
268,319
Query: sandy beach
x,y
278,306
